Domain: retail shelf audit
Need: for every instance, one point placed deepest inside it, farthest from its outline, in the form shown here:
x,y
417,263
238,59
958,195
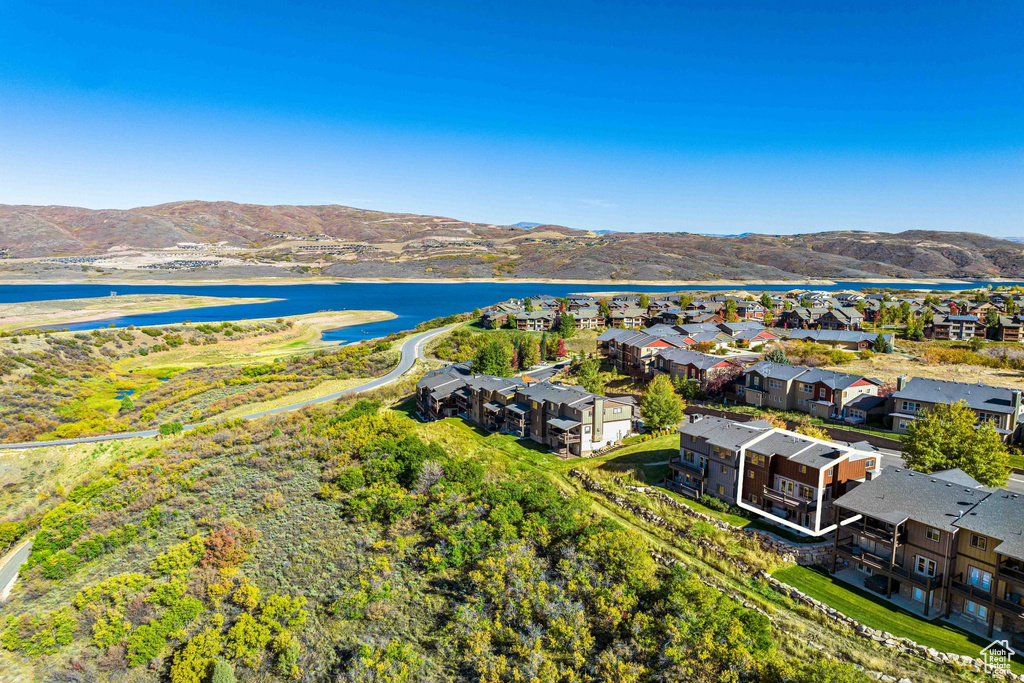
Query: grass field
x,y
304,336
27,476
887,367
878,613
65,311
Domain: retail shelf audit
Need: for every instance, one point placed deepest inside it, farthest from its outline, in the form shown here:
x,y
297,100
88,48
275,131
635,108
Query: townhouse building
x,y
897,533
941,544
588,318
567,419
1000,406
630,317
954,328
820,393
987,585
1008,329
848,340
841,318
784,477
693,365
536,321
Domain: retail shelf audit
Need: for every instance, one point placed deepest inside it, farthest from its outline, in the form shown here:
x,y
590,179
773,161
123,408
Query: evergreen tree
x,y
644,302
222,672
880,344
605,310
493,358
660,406
567,325
766,300
588,373
528,304
777,356
126,405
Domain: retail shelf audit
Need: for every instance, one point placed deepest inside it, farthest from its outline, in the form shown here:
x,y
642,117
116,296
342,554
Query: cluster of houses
x,y
997,317
567,419
938,544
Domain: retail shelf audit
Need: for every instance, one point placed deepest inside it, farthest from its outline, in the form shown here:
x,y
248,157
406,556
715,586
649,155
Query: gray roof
x,y
835,335
776,370
866,402
724,433
563,423
978,396
617,334
832,379
783,444
543,391
999,516
699,360
897,495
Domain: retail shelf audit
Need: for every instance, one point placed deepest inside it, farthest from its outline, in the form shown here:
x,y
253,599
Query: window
x,y
750,474
924,566
720,489
979,542
933,534
918,595
975,610
803,469
830,471
910,407
725,470
586,429
774,384
616,410
979,578
807,388
756,459
806,492
869,464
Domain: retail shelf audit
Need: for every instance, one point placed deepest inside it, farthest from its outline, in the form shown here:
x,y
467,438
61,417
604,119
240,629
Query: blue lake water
x,y
412,302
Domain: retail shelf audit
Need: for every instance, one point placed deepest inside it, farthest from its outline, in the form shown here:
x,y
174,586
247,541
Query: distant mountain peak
x,y
525,226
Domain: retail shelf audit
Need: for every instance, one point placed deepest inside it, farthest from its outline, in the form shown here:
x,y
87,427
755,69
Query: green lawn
x,y
1017,462
878,613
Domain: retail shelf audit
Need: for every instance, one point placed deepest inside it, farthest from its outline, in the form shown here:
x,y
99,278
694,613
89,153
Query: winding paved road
x,y
412,350
10,568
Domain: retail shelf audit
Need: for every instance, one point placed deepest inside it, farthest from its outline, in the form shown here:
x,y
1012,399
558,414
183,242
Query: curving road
x,y
412,350
11,564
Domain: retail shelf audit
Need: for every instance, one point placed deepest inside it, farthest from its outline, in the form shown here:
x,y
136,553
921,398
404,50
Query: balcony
x,y
973,592
1011,570
1014,608
693,467
789,501
876,533
691,491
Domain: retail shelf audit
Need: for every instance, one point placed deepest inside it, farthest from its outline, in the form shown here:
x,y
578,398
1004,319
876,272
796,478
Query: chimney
x,y
901,383
1016,399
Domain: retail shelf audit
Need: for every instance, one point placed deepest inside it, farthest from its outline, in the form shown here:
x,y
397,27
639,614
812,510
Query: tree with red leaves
x,y
228,546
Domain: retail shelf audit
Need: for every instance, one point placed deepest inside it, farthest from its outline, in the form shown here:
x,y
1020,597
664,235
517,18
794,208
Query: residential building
x,y
787,478
589,318
630,317
707,460
897,533
997,405
536,321
988,580
1008,329
954,327
567,419
848,340
841,318
700,367
770,385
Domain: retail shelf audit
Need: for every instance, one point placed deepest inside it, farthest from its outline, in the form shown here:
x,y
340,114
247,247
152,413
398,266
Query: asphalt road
x,y
13,564
412,349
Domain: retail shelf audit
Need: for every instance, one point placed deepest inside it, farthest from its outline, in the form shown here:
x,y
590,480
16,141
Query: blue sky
x,y
715,117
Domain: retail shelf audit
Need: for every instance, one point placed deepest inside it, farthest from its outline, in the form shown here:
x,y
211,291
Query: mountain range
x,y
398,245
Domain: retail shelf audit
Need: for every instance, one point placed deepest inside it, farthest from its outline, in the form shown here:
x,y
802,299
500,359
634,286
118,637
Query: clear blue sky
x,y
714,117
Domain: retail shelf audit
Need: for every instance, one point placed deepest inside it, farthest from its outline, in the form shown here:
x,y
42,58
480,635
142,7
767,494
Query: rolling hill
x,y
346,242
